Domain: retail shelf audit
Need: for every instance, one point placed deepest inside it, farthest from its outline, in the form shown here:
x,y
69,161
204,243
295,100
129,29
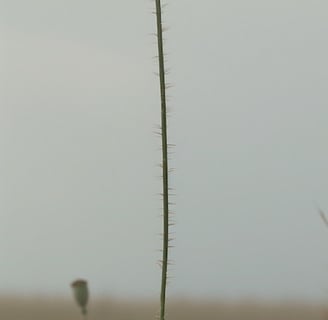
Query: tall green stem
x,y
164,158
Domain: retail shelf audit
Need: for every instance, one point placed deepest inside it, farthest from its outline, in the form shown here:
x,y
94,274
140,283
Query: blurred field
x,y
13,308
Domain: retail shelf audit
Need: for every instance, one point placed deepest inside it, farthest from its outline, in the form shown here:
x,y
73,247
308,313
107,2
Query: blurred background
x,y
79,175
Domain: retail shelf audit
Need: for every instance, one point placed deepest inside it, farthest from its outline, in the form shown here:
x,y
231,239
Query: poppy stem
x,y
164,158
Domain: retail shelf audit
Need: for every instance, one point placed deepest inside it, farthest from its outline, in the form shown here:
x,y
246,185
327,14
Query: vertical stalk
x,y
164,158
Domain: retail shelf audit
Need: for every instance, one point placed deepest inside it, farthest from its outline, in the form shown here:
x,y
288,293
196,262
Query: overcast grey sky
x,y
78,156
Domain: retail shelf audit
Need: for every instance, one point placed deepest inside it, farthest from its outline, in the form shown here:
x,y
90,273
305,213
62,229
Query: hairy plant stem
x,y
164,158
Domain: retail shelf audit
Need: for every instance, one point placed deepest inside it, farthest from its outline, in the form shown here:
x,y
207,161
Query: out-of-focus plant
x,y
81,294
